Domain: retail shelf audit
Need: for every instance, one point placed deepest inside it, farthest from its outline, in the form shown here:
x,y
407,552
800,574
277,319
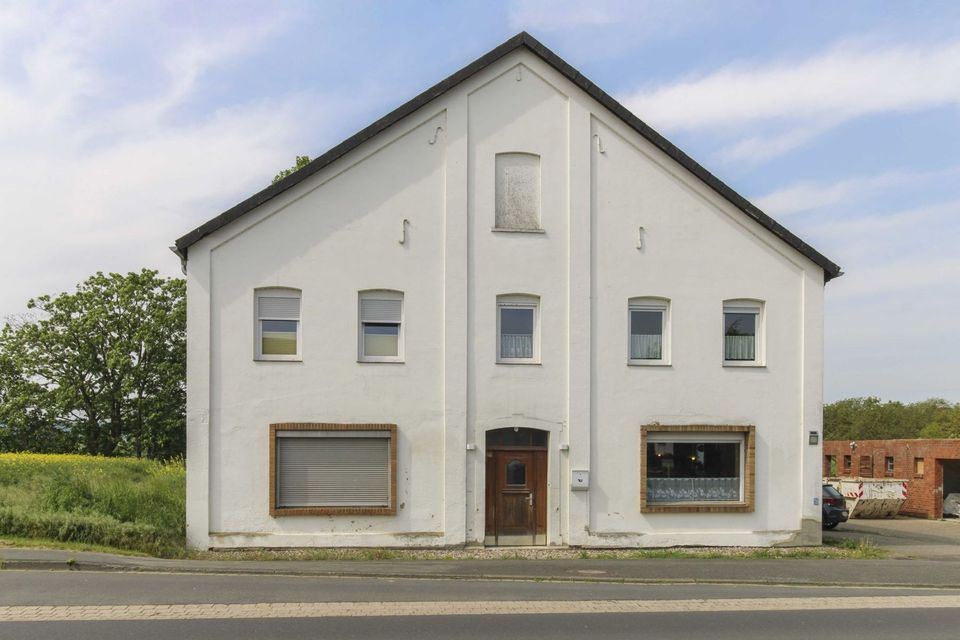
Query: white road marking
x,y
528,607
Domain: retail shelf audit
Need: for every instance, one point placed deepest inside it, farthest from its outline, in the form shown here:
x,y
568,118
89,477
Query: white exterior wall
x,y
337,233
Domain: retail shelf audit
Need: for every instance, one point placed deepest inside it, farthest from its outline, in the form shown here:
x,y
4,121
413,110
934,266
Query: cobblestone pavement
x,y
404,609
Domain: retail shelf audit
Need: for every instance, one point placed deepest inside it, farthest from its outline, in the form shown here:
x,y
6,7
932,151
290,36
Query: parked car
x,y
834,507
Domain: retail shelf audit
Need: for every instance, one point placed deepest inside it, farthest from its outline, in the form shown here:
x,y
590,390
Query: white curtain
x,y
740,348
516,345
645,347
692,489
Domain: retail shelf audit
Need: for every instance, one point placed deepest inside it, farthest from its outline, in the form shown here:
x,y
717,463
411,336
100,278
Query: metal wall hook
x,y
599,143
436,136
403,230
640,232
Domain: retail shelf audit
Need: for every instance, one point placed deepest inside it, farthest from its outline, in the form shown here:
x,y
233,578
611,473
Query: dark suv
x,y
834,507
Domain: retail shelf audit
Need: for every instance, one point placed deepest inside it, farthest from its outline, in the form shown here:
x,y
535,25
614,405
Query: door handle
x,y
530,498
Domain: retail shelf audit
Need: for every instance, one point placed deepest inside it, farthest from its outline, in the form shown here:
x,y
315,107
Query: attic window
x,y
517,192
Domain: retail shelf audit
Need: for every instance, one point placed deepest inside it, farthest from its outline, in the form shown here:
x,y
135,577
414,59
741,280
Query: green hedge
x,y
101,530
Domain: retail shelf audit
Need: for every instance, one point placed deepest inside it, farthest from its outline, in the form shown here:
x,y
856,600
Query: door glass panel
x,y
520,437
516,472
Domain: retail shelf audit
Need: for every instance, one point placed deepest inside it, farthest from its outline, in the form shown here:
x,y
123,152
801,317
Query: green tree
x,y
944,425
300,163
101,370
871,419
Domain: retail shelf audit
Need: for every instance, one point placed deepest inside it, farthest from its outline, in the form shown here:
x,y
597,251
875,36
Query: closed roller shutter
x,y
380,310
279,308
342,470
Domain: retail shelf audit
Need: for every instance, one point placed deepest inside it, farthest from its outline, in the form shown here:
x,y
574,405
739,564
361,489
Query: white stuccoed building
x,y
507,313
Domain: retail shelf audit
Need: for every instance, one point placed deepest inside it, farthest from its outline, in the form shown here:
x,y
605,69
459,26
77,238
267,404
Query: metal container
x,y
871,497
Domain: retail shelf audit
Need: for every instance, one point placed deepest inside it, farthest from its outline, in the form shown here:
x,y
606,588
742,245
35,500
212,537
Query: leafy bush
x,y
127,503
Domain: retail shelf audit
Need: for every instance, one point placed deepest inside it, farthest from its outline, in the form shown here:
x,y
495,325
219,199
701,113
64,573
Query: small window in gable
x,y
743,333
517,192
381,326
649,321
278,324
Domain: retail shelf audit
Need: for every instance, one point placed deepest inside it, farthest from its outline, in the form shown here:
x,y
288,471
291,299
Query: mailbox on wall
x,y
579,480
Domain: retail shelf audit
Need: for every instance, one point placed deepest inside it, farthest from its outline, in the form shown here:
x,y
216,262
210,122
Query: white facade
x,y
338,233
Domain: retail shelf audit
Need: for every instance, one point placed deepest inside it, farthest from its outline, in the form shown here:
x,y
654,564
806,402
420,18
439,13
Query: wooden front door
x,y
516,497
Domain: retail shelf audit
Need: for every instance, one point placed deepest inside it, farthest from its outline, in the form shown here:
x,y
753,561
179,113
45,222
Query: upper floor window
x,y
517,327
278,324
649,331
517,192
381,326
742,332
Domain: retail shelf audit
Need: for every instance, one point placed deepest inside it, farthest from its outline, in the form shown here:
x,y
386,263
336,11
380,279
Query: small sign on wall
x,y
579,480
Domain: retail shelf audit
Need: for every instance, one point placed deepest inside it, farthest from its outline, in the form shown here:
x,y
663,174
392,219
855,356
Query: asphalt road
x,y
935,625
95,604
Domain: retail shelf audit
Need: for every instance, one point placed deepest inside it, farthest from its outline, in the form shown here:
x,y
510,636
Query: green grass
x,y
121,503
860,549
17,542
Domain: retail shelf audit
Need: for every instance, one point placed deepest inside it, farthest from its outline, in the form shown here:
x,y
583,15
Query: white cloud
x,y
547,15
99,169
801,99
758,149
806,196
599,29
892,225
844,83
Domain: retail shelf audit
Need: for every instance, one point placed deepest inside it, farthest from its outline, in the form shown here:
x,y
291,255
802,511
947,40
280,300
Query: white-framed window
x,y
649,331
381,326
743,330
699,464
518,329
278,331
517,192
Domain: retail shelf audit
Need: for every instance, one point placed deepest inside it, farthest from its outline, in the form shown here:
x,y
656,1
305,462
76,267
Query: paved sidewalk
x,y
899,573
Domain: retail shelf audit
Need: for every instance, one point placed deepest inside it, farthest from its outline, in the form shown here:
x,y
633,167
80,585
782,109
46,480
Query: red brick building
x,y
931,468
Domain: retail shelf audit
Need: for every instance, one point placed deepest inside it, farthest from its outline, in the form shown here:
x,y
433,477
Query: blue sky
x,y
125,124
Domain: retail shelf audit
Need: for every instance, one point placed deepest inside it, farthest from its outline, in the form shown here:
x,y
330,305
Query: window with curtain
x,y
698,468
517,329
278,324
381,326
648,330
742,321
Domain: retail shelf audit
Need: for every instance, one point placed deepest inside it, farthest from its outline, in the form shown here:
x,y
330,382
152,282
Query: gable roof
x,y
522,39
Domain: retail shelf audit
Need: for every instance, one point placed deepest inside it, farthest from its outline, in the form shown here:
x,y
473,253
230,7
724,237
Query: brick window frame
x,y
746,505
277,511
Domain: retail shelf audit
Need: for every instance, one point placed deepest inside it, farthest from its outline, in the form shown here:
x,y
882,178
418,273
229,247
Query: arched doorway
x,y
516,487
